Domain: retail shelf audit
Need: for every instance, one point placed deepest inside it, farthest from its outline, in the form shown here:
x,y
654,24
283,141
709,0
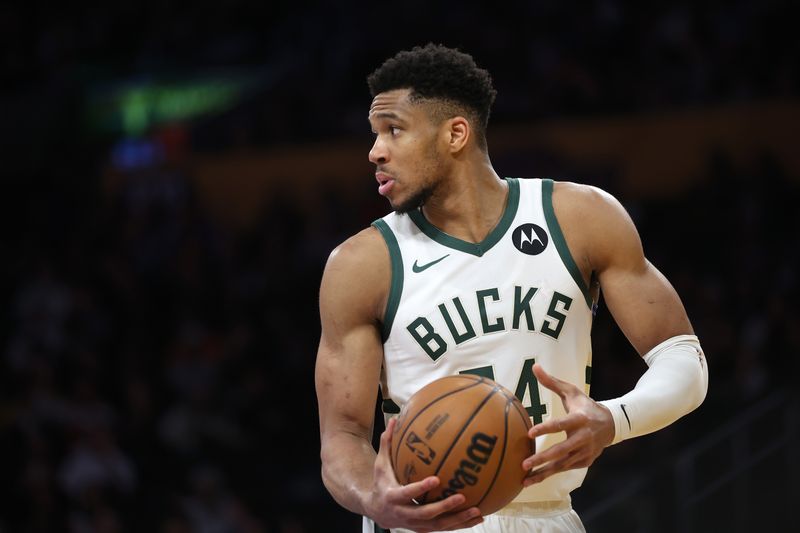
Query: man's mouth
x,y
385,183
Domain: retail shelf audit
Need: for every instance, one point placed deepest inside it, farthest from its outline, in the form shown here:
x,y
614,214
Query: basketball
x,y
470,432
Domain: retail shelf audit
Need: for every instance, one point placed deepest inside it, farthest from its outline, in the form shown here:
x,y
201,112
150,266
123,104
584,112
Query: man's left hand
x,y
588,425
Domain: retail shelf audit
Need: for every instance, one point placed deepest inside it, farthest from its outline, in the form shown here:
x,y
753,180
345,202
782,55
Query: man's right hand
x,y
392,505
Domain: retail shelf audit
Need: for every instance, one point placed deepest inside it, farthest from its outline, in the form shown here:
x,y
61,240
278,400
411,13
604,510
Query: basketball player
x,y
494,276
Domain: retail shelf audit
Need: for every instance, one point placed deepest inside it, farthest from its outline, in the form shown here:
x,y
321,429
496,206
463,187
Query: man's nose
x,y
378,154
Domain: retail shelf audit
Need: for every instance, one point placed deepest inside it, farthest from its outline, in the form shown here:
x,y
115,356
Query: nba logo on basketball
x,y
420,448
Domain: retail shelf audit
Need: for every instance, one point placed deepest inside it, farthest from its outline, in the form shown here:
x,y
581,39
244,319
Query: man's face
x,y
406,151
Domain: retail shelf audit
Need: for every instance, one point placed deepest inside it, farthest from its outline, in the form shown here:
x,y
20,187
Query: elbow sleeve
x,y
675,384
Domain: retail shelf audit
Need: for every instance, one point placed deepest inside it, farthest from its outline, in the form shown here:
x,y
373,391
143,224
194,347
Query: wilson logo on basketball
x,y
478,453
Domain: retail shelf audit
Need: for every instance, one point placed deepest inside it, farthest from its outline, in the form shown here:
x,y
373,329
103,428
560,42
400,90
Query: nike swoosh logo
x,y
622,405
419,268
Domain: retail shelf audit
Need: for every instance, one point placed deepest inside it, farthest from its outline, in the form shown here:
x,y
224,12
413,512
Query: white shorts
x,y
533,517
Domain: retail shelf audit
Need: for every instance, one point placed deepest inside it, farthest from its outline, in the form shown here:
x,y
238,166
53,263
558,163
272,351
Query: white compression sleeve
x,y
674,385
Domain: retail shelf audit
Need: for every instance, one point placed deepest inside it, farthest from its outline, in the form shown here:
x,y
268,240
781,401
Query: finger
x,y
566,423
383,462
444,510
468,524
438,516
556,385
460,520
554,453
553,468
540,475
463,520
385,443
386,436
415,490
575,460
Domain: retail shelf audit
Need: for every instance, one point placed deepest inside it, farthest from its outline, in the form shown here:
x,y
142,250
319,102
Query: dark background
x,y
156,359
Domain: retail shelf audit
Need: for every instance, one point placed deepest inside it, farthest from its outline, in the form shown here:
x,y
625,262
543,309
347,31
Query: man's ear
x,y
459,133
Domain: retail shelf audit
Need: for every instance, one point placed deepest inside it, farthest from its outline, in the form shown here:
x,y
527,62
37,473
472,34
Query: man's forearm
x,y
348,469
674,385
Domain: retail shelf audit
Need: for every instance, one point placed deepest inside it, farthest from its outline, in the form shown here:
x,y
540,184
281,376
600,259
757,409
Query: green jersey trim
x,y
396,287
560,241
389,407
476,249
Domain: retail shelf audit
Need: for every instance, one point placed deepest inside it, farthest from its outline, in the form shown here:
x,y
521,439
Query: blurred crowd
x,y
548,59
157,371
156,368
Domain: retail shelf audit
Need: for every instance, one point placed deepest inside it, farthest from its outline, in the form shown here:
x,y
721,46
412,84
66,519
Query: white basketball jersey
x,y
491,308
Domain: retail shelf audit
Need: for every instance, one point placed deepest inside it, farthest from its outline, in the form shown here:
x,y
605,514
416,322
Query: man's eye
x,y
394,130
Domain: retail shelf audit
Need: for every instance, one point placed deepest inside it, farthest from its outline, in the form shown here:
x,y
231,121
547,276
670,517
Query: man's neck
x,y
469,204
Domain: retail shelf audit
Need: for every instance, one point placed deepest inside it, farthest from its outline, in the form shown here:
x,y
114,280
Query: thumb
x,y
385,445
383,462
386,436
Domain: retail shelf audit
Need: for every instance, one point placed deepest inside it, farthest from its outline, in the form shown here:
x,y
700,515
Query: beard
x,y
415,201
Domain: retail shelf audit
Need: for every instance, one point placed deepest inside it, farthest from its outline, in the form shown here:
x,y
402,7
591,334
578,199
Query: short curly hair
x,y
445,75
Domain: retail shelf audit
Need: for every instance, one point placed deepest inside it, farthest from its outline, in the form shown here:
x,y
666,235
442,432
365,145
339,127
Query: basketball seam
x,y
523,413
502,457
461,432
428,405
518,407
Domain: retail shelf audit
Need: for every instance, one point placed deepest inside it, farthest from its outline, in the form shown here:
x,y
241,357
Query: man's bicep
x,y
644,304
642,301
350,352
347,376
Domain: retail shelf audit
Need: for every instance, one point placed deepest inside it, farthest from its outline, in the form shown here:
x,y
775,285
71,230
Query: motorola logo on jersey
x,y
529,239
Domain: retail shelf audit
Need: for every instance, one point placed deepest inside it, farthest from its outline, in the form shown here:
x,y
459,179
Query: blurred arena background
x,y
175,176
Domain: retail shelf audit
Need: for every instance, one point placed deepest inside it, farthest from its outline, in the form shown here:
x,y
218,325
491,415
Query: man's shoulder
x,y
362,259
595,222
585,204
366,246
581,194
357,277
